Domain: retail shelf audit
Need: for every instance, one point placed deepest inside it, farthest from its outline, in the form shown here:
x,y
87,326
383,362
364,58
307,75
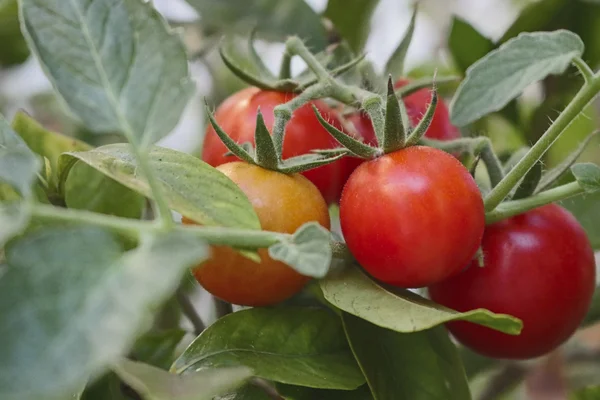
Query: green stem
x,y
234,237
511,208
585,95
295,46
584,70
491,161
188,309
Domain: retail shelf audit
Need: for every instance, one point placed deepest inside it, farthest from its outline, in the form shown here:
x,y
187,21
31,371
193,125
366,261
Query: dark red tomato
x,y
412,217
237,116
416,104
539,267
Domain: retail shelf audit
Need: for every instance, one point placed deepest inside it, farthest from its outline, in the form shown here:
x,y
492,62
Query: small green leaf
x,y
18,164
352,19
588,176
529,183
157,348
308,251
156,384
402,311
505,72
80,312
293,345
117,64
13,220
395,65
191,187
88,189
466,44
421,365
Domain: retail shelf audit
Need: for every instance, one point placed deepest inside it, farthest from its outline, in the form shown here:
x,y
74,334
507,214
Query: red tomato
x,y
237,116
412,217
283,203
539,267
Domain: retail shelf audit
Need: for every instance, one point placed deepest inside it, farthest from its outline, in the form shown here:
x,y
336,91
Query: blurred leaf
x,y
108,387
529,182
117,64
588,393
535,17
156,384
246,392
587,175
422,365
13,220
274,19
14,48
585,209
504,73
87,189
293,345
158,348
466,44
290,392
191,187
64,319
352,19
308,250
395,64
402,311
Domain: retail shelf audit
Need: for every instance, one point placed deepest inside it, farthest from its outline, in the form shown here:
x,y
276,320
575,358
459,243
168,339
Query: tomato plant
x,y
283,203
539,267
399,216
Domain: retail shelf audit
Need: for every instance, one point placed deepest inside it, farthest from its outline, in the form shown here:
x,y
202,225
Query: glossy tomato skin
x,y
539,267
283,203
412,217
237,116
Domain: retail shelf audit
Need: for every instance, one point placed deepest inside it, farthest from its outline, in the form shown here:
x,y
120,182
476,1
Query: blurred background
x,y
449,36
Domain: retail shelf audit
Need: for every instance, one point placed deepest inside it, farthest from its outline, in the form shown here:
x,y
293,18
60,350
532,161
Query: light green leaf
x,y
156,384
191,187
588,176
308,250
114,62
422,365
293,345
505,72
352,20
401,310
13,220
466,44
18,164
64,319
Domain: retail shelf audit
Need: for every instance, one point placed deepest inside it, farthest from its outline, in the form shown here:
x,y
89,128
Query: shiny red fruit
x,y
539,267
237,116
412,217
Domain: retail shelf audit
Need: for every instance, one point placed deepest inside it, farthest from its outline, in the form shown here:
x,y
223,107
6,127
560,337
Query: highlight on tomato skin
x,y
237,116
413,217
540,268
283,203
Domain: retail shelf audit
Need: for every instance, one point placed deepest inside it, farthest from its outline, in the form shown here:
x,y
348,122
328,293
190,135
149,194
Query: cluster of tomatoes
x,y
411,218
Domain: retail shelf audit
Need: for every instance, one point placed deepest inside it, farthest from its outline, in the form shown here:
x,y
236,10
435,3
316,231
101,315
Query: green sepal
x,y
247,146
529,183
421,128
395,64
334,72
265,152
357,147
394,133
305,162
231,145
418,84
255,58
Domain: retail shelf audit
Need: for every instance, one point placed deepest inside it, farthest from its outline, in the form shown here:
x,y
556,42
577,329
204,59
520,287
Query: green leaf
x,y
14,48
115,63
505,72
107,387
246,392
156,384
307,251
87,189
466,44
587,393
535,17
275,19
529,183
18,164
422,365
395,64
191,187
588,176
585,209
64,319
44,142
402,311
290,392
352,19
293,345
13,220
158,348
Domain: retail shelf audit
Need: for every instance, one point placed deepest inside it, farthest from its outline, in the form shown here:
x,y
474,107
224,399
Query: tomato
x,y
416,104
412,217
237,116
539,267
283,203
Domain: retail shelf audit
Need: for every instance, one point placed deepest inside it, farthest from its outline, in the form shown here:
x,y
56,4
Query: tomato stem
x,y
585,95
584,69
515,207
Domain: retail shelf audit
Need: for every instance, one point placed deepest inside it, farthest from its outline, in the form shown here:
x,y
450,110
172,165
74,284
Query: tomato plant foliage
x,y
97,288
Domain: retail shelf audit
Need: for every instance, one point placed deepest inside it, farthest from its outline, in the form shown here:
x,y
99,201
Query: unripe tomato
x,y
412,217
539,267
283,203
237,116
